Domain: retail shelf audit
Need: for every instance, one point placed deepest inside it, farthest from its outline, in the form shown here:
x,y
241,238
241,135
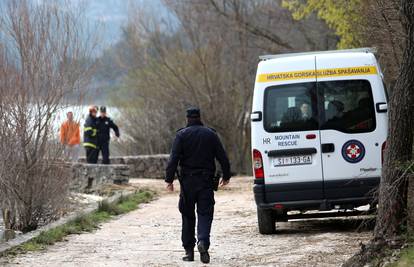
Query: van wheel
x,y
266,221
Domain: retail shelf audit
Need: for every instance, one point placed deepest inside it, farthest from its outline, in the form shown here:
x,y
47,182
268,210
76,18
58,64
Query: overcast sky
x,y
112,14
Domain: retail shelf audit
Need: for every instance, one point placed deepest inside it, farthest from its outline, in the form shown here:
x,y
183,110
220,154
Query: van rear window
x,y
348,106
345,106
290,108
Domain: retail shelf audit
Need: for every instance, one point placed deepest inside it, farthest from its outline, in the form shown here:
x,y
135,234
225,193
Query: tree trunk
x,y
392,193
6,219
410,203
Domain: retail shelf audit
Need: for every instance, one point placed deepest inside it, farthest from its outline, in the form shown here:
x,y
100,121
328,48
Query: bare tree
x,y
44,60
392,195
384,31
273,26
392,207
205,56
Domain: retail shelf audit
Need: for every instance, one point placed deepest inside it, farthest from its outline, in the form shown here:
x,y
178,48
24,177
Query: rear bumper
x,y
316,195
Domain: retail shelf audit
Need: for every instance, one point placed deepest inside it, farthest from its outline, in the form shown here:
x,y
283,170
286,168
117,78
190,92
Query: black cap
x,y
193,113
102,109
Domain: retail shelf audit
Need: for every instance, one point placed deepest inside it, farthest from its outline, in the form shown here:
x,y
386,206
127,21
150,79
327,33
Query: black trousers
x,y
203,198
92,155
104,149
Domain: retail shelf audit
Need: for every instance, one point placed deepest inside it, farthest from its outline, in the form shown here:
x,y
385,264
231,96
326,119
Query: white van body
x,y
319,126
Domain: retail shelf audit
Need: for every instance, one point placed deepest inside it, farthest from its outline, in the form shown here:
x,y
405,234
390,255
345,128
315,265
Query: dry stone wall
x,y
148,166
88,178
91,177
145,166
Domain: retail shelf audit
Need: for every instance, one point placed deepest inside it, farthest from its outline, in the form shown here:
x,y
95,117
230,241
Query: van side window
x,y
348,106
290,108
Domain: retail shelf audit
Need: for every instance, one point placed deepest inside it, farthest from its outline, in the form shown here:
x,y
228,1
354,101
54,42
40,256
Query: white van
x,y
319,126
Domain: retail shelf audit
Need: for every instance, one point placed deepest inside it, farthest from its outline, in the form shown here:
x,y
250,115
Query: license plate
x,y
293,160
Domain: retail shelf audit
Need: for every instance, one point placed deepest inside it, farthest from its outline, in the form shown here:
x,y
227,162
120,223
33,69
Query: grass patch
x,y
85,223
406,258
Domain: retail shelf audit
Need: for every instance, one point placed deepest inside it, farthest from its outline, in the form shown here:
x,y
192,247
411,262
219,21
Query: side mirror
x,y
381,107
256,116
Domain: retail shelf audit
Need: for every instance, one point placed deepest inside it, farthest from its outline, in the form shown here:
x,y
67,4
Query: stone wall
x,y
148,166
91,177
145,166
88,178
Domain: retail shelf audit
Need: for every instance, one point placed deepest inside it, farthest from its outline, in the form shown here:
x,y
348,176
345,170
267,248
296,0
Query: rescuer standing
x,y
70,137
105,124
90,136
195,149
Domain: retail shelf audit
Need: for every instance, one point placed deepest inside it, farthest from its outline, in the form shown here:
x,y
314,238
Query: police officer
x,y
90,136
195,149
105,124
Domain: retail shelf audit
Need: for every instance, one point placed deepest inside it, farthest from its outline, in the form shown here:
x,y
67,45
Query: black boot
x,y
189,255
204,256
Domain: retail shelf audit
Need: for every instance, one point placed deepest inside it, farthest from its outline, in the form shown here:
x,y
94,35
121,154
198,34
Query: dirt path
x,y
150,236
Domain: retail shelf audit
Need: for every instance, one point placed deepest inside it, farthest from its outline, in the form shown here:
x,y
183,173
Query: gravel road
x,y
150,236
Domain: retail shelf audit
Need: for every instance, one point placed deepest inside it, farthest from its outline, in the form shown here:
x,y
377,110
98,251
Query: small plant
x,y
110,208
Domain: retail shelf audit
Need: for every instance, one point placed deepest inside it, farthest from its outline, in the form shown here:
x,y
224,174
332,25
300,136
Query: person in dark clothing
x,y
195,149
105,124
90,136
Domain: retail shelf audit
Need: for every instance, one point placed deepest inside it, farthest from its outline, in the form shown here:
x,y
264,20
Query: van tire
x,y
266,221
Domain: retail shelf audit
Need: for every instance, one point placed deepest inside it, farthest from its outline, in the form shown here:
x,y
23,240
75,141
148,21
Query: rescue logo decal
x,y
353,151
312,74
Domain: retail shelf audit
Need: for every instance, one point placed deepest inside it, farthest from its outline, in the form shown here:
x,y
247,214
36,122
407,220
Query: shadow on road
x,y
326,225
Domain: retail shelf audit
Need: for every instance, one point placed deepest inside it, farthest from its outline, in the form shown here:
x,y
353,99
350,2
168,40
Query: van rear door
x,y
290,140
351,137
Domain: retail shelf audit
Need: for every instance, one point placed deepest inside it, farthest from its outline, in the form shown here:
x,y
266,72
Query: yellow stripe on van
x,y
311,74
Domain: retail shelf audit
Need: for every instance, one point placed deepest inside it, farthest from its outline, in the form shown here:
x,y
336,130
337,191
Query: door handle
x,y
328,148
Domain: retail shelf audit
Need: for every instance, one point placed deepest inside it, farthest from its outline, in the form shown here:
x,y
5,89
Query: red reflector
x,y
311,136
278,206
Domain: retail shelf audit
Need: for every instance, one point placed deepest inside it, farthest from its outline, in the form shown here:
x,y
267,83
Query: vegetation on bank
x,y
85,223
406,257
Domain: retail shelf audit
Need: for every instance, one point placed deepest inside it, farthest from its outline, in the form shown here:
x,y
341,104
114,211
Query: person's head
x,y
102,111
305,109
339,106
193,115
69,116
92,111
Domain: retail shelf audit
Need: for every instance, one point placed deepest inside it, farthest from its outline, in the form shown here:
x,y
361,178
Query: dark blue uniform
x,y
90,139
105,124
195,149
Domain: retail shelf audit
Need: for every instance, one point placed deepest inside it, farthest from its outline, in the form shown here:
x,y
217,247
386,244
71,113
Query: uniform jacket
x,y
90,132
195,149
105,124
70,133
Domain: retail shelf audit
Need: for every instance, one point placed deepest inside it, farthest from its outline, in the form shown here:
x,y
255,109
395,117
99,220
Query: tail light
x,y
258,164
278,206
383,147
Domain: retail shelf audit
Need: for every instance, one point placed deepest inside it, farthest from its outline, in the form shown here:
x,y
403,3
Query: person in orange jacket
x,y
70,137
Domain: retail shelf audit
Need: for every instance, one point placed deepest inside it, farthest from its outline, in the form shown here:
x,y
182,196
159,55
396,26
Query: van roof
x,y
356,50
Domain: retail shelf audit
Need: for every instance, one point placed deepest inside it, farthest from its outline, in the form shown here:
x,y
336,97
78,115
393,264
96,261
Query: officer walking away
x,y
90,136
105,124
195,149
